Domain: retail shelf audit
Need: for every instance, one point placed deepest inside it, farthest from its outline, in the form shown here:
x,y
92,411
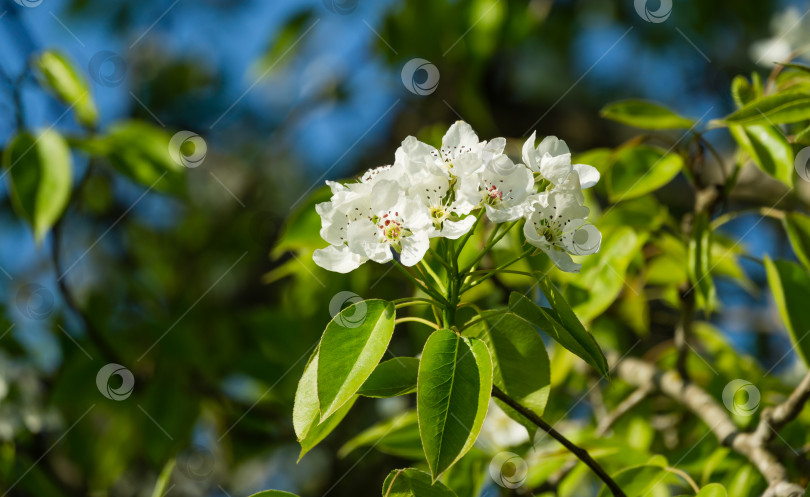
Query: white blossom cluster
x,y
429,193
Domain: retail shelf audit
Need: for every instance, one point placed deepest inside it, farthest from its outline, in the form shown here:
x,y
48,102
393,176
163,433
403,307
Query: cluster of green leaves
x,y
39,163
452,379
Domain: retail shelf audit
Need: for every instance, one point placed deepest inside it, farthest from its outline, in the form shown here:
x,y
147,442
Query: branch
x,y
602,428
581,453
750,445
775,418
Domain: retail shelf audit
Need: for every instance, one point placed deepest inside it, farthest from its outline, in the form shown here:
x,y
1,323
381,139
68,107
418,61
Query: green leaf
x,y
797,227
306,414
350,351
790,285
273,493
413,483
139,151
572,335
699,262
520,364
712,490
785,107
798,67
768,148
803,136
639,481
286,43
604,274
452,396
391,378
644,114
163,479
58,75
40,169
641,170
398,436
742,91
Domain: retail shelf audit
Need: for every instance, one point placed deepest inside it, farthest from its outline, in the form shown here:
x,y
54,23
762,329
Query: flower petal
x,y
338,259
588,175
414,248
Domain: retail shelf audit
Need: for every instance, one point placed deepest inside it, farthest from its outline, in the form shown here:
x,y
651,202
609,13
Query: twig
x,y
751,445
581,453
602,428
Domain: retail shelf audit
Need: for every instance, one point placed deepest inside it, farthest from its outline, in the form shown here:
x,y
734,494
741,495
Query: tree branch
x,y
581,453
751,445
602,428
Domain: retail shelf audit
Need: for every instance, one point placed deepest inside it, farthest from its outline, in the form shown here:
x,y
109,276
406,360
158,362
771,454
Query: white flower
x,y
446,213
556,225
366,220
506,188
552,160
791,36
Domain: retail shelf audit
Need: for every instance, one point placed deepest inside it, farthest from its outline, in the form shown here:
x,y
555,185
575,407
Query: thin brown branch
x,y
602,428
578,451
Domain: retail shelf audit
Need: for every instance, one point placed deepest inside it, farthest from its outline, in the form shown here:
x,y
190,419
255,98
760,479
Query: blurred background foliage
x,y
201,282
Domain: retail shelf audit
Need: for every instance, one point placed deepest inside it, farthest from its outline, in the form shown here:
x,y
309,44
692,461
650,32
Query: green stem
x,y
493,272
763,211
470,233
420,285
411,301
417,320
493,239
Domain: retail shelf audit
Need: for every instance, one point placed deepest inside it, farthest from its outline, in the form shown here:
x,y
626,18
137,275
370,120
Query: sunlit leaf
x,y
455,383
520,364
398,436
700,263
639,481
742,91
644,114
40,169
640,170
352,346
139,151
785,107
604,274
306,414
790,286
413,483
561,324
712,490
768,148
393,377
798,229
57,74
